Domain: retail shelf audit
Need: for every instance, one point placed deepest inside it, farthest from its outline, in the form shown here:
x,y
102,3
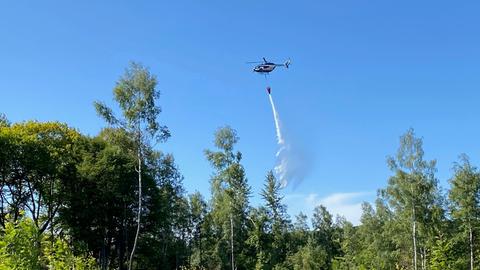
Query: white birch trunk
x,y
414,236
231,242
139,208
471,247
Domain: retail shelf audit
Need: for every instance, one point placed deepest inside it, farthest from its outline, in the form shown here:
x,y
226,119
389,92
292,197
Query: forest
x,y
116,201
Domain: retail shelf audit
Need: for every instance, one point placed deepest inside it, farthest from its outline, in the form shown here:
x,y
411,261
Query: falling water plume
x,y
292,164
280,140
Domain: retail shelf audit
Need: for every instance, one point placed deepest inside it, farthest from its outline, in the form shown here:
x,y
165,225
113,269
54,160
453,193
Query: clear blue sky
x,y
362,74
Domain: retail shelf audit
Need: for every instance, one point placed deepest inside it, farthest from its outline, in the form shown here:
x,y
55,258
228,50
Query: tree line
x,y
112,201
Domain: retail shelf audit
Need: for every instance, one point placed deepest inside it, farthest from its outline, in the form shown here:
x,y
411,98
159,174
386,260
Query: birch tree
x,y
136,95
230,196
412,192
465,201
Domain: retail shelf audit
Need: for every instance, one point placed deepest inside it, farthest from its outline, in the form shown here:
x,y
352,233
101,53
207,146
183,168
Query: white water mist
x,y
280,140
282,161
292,164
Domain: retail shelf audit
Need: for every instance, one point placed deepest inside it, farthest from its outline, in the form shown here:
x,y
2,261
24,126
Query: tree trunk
x,y
200,245
139,207
471,247
122,240
414,236
231,241
103,254
423,254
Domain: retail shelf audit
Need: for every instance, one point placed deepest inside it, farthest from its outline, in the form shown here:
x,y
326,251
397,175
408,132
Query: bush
x,y
22,247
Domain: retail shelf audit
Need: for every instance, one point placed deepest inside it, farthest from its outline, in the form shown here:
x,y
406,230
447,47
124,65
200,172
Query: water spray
x,y
280,140
282,160
292,164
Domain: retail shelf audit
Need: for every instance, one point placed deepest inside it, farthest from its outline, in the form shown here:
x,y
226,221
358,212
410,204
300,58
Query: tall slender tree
x,y
413,192
376,248
465,200
277,219
230,196
197,211
323,232
136,95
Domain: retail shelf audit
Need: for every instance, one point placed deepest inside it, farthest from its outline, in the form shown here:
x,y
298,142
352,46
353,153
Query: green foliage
x,y
276,221
442,255
98,205
350,246
4,120
22,247
59,255
465,205
136,95
197,215
230,194
35,161
309,257
376,249
412,192
465,193
298,234
259,240
69,201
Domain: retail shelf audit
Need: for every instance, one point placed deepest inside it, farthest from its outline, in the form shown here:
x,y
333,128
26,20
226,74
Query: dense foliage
x,y
71,201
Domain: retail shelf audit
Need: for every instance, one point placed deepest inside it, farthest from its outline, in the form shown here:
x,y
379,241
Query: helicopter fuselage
x,y
265,68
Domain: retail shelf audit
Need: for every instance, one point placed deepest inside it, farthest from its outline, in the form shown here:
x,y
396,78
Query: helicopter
x,y
266,67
